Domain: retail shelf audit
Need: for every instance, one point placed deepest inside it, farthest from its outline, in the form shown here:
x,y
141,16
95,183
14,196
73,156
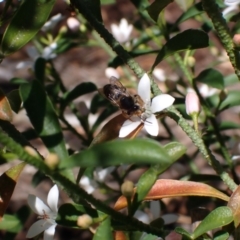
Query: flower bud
x,y
127,189
73,24
52,160
84,221
191,61
192,103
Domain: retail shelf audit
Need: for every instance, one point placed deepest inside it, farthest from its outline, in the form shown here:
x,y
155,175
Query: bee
x,y
130,105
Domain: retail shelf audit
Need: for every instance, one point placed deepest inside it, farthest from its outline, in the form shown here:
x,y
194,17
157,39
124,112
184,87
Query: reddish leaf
x,y
119,235
111,130
7,184
166,188
5,108
234,205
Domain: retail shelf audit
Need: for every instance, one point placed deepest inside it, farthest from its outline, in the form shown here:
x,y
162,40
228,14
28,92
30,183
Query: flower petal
x,y
101,174
88,185
142,216
52,198
37,228
144,88
37,205
127,127
161,102
151,125
49,233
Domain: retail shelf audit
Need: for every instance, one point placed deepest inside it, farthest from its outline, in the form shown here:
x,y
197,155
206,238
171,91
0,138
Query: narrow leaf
x,y
110,130
14,100
166,188
215,219
138,151
104,230
43,117
27,21
10,223
212,78
189,39
191,12
156,7
147,180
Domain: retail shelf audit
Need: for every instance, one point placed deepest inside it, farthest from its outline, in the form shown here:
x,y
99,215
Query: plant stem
x,y
223,32
174,114
73,190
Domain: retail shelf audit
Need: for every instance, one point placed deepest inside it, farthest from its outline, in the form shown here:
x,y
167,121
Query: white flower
x,y
100,175
122,31
157,104
47,53
232,7
52,22
206,91
47,214
155,212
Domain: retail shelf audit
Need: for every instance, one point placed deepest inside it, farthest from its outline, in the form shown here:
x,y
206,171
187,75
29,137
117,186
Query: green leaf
x,y
221,235
149,237
27,21
18,81
175,150
230,80
39,69
189,39
106,2
14,100
190,13
10,223
217,218
44,118
183,232
156,7
231,100
139,151
104,230
225,126
147,180
212,78
79,90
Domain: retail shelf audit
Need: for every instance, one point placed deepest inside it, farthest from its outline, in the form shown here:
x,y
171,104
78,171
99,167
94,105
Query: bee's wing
x,y
117,83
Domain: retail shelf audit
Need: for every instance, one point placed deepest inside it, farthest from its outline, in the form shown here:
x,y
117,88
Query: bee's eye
x,y
135,107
